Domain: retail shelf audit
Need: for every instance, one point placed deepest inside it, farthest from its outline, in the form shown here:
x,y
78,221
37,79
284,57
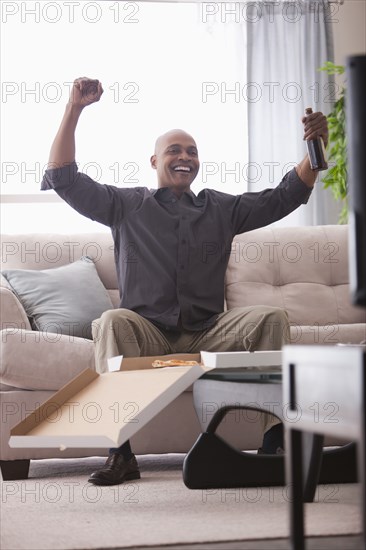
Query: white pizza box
x,y
105,410
242,359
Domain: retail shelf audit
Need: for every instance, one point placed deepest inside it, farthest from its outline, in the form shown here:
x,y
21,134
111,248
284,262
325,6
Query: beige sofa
x,y
303,270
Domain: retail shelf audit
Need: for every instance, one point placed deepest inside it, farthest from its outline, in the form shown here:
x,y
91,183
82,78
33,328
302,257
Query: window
x,y
162,66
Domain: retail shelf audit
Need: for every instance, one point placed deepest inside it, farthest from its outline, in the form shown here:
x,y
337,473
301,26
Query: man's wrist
x,y
305,173
73,109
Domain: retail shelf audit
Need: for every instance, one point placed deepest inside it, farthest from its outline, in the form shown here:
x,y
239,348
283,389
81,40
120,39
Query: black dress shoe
x,y
273,441
116,470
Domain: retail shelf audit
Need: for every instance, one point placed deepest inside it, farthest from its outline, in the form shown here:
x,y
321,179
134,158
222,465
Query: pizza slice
x,y
157,364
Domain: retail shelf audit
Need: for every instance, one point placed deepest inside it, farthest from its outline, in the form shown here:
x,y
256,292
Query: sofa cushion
x,y
51,250
63,300
303,270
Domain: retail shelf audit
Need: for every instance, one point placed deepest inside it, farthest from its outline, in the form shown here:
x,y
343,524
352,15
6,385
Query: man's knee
x,y
274,315
277,313
266,327
278,325
117,315
113,319
278,316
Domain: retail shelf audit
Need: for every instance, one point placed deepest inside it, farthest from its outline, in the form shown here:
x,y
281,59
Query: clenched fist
x,y
85,91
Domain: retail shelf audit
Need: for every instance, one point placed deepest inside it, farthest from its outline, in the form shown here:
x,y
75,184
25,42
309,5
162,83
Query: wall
x,y
349,29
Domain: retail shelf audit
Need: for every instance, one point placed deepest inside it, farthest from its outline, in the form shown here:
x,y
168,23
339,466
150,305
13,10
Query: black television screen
x,y
356,168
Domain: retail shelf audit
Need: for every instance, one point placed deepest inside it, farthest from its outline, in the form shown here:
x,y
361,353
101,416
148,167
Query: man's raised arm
x,y
85,91
102,203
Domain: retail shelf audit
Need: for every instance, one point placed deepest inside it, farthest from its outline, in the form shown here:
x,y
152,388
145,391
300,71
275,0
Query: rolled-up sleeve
x,y
105,204
257,209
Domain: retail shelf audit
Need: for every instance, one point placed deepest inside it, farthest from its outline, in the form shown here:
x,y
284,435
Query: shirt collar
x,y
165,194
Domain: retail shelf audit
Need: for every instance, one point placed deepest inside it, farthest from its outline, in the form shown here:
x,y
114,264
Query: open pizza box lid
x,y
105,410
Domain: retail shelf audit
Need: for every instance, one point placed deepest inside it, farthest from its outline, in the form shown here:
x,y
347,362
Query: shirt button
x,y
184,217
183,241
182,266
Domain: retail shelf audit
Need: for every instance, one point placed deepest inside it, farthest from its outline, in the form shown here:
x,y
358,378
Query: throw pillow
x,y
63,300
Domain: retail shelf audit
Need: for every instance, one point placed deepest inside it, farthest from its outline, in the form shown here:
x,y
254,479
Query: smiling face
x,y
176,161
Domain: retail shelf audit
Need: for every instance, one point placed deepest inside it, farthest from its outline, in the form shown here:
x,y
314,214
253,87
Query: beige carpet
x,y
57,508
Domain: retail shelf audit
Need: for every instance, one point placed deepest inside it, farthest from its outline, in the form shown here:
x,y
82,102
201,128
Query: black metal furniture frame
x,y
214,463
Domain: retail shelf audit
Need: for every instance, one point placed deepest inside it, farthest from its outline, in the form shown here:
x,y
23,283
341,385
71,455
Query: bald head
x,y
165,139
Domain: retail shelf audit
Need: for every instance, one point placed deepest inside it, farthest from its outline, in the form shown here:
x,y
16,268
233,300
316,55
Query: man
x,y
171,250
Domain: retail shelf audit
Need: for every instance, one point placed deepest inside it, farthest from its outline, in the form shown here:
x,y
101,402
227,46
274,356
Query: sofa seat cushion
x,y
5,387
42,361
63,300
352,333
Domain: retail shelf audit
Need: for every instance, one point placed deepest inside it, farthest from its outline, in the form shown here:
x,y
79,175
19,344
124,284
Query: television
x,y
356,168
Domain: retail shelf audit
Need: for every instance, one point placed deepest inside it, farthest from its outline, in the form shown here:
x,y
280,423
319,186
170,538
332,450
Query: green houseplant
x,y
336,176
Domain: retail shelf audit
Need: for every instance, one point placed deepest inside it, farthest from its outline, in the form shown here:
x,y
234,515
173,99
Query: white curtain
x,y
286,43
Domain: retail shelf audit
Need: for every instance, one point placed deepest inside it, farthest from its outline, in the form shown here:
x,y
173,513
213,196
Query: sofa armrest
x,y
12,313
35,360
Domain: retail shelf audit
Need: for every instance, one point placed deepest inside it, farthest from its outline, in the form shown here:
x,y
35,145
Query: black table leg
x,y
312,445
294,475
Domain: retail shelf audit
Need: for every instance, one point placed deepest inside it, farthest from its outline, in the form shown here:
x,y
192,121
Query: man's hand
x,y
315,125
85,91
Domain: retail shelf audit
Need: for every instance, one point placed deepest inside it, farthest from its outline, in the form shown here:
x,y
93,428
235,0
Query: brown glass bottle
x,y
316,150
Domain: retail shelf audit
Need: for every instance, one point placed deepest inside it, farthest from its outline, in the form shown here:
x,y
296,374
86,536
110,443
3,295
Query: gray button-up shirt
x,y
171,254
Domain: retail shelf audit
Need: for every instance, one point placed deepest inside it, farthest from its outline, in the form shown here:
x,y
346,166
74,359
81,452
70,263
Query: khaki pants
x,y
124,332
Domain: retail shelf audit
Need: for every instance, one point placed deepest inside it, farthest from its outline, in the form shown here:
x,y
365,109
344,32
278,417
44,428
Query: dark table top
x,y
265,375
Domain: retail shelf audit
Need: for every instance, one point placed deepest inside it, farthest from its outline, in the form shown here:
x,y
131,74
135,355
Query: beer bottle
x,y
316,150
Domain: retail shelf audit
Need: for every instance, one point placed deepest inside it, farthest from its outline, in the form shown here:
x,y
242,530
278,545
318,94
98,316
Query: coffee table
x,y
214,463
